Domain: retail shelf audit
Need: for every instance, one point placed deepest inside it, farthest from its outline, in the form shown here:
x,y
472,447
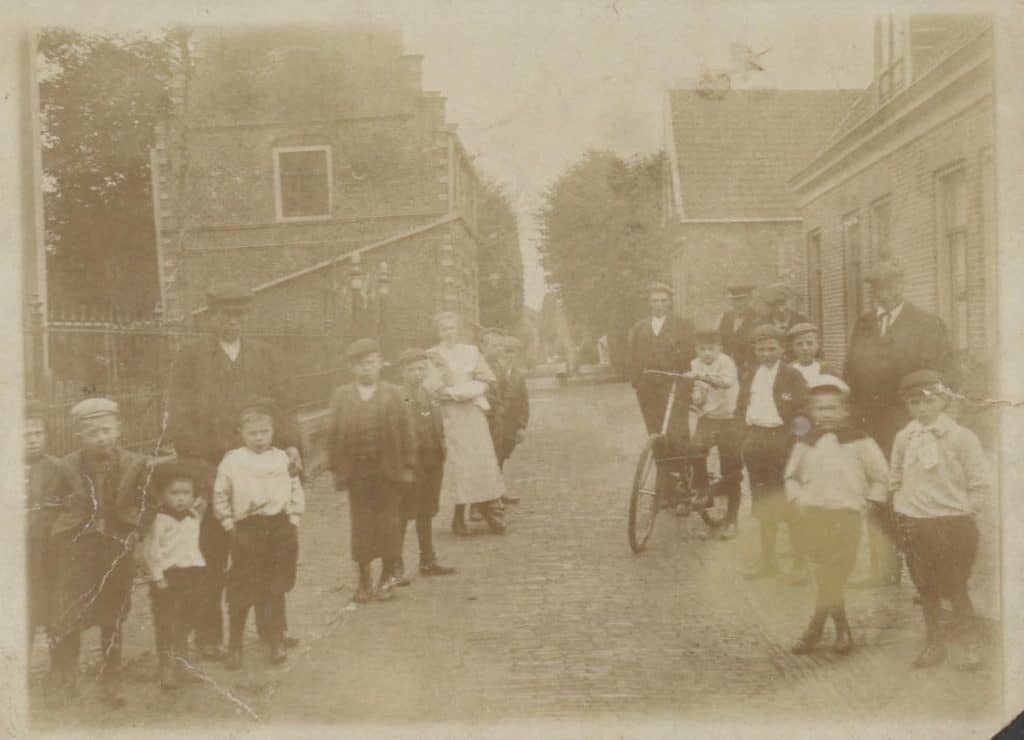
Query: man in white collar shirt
x,y
892,340
665,342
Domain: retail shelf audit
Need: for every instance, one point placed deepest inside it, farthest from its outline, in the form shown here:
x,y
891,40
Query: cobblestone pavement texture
x,y
554,619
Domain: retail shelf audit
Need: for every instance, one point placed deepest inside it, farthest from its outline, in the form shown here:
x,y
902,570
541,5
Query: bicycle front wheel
x,y
643,500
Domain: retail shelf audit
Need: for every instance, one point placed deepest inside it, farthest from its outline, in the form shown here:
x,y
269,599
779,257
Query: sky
x,y
530,97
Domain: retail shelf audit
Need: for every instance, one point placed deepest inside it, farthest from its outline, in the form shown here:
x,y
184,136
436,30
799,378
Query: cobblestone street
x,y
557,619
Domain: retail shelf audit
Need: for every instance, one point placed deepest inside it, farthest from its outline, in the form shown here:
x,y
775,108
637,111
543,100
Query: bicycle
x,y
653,486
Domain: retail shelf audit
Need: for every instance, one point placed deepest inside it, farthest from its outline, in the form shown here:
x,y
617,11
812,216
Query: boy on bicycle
x,y
715,389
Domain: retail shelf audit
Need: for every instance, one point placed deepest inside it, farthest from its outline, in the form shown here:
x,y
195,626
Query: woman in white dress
x,y
458,378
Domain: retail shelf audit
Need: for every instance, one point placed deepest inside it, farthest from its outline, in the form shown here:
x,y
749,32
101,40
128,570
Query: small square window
x,y
303,183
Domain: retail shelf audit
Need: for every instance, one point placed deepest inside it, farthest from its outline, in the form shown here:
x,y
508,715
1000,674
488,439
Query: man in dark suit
x,y
889,342
735,326
663,342
517,398
211,380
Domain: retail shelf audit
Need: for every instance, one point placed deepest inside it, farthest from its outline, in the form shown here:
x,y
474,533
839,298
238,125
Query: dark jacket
x,y
670,351
207,391
517,401
789,392
736,344
428,426
133,509
917,340
396,437
46,489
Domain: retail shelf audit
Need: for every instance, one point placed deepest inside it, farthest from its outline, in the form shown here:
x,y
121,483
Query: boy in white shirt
x,y
259,503
831,472
715,389
937,475
171,553
804,345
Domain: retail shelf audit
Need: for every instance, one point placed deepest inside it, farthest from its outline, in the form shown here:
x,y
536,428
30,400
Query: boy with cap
x,y
45,487
421,498
259,502
804,348
771,394
937,476
517,402
372,452
94,535
832,470
716,387
171,554
736,324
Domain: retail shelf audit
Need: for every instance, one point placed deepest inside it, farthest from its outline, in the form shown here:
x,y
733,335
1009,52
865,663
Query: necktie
x,y
883,323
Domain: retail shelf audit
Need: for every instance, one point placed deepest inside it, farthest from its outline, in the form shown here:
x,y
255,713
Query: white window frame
x,y
278,207
887,63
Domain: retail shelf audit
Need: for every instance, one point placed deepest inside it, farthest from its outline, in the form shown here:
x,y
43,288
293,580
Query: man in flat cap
x,y
372,453
736,324
210,381
892,340
94,533
663,342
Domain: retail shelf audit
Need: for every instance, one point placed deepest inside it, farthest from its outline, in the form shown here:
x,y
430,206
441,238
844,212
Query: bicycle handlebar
x,y
666,372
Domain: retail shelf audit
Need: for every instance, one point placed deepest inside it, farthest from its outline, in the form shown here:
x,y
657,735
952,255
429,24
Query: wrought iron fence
x,y
75,355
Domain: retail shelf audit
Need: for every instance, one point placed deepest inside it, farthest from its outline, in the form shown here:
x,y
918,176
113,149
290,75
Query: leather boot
x,y
365,591
495,517
844,638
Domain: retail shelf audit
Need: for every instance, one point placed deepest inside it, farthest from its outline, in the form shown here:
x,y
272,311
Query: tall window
x,y
893,68
854,268
952,229
815,293
302,182
881,218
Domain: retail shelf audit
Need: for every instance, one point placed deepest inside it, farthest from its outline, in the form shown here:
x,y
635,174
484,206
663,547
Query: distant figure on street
x,y
459,378
937,478
663,342
372,453
736,324
888,343
210,381
517,402
832,470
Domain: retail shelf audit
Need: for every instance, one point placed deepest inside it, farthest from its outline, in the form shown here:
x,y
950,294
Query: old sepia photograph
x,y
471,369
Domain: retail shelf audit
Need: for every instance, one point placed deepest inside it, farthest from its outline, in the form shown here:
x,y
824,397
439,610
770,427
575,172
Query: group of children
x,y
813,469
92,512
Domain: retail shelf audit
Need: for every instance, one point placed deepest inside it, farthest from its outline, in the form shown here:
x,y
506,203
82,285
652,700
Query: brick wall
x,y
712,257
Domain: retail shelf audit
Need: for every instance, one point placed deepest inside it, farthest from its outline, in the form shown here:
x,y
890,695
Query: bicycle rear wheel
x,y
644,499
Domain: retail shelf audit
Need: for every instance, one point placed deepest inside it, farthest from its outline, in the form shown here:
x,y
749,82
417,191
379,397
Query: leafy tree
x,y
100,96
500,261
602,241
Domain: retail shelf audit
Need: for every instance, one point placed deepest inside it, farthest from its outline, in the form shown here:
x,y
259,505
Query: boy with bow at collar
x,y
831,472
937,475
771,394
94,534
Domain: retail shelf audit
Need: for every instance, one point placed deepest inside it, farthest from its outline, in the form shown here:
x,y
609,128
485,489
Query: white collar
x,y
366,392
892,314
658,321
231,349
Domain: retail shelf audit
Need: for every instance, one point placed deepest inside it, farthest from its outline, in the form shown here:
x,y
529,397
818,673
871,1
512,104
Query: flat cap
x,y
411,355
739,291
884,272
257,405
362,348
767,331
35,410
827,384
225,294
489,331
919,381
91,408
659,287
804,327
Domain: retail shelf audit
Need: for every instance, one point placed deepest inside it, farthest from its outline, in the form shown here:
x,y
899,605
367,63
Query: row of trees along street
x,y
602,240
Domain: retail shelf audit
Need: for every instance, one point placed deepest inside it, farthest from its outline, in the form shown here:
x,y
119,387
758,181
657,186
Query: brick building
x,y
290,150
725,190
909,173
